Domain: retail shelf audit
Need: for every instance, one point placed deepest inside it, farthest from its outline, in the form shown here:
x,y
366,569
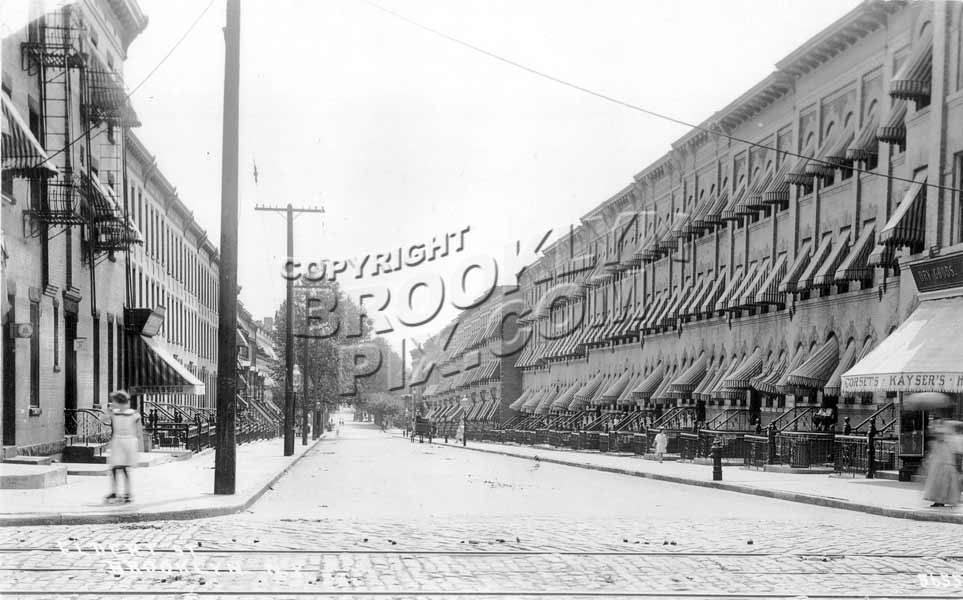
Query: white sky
x,y
402,135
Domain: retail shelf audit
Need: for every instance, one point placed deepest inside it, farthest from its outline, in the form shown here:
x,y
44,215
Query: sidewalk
x,y
172,490
875,496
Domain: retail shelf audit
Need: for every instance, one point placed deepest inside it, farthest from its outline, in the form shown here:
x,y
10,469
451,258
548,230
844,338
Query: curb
x,y
896,513
167,515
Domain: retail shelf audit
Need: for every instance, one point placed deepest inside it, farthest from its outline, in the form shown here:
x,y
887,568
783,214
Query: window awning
x,y
659,315
586,392
626,398
614,391
713,215
680,228
650,384
106,99
820,165
768,290
729,213
836,155
826,275
154,370
907,225
749,368
882,256
532,403
808,277
720,388
654,309
661,393
766,381
855,267
778,190
562,401
912,81
690,379
924,354
797,174
713,372
893,129
754,197
734,282
865,144
23,155
520,401
796,269
818,368
846,360
746,295
715,291
696,223
672,310
688,304
545,402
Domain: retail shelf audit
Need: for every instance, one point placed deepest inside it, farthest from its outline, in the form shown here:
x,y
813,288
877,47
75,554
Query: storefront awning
x,y
23,155
690,379
807,279
651,382
865,145
816,371
924,354
912,81
893,129
907,225
856,266
749,368
154,370
846,361
614,391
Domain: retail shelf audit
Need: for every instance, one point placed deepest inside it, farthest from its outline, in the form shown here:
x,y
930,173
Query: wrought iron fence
x,y
87,425
756,449
688,446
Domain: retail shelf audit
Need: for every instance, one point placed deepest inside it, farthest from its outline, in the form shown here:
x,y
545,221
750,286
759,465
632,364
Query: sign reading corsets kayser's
x,y
939,274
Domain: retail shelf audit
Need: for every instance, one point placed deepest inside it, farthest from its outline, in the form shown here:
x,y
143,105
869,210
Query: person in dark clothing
x,y
847,428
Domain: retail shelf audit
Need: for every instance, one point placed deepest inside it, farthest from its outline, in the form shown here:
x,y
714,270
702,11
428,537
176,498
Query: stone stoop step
x,y
28,477
85,453
145,460
29,460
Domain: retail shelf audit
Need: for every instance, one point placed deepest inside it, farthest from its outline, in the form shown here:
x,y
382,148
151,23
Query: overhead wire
x,y
626,104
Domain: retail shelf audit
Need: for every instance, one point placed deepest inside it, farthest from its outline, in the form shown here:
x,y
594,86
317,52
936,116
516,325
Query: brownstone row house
x,y
785,262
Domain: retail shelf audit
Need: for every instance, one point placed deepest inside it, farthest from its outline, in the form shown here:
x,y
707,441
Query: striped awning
x,y
614,391
712,373
882,256
912,81
797,174
713,216
750,367
626,398
661,393
562,401
856,267
729,213
651,383
654,308
713,294
796,269
782,384
818,368
826,275
23,155
865,145
532,402
768,291
696,223
907,225
672,309
846,362
734,282
545,402
689,380
893,129
688,304
924,354
807,279
745,296
820,165
679,229
154,370
766,380
836,155
754,197
585,393
778,190
720,389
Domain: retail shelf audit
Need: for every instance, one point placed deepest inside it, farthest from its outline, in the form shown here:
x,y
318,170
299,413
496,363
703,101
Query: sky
x,y
402,136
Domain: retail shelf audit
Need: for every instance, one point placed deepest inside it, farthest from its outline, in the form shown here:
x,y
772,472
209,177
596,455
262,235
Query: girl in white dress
x,y
125,441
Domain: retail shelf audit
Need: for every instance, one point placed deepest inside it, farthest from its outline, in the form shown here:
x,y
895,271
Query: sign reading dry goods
x,y
939,274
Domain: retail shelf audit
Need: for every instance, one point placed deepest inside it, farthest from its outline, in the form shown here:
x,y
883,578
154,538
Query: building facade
x,y
761,258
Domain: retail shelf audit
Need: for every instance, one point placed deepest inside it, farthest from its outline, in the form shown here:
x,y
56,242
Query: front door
x,y
70,371
9,382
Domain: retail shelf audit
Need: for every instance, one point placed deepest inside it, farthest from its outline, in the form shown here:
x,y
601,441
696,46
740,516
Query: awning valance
x,y
687,382
796,269
826,275
855,267
808,278
768,292
154,370
650,384
907,225
893,129
865,144
23,155
816,371
912,81
924,354
846,361
749,368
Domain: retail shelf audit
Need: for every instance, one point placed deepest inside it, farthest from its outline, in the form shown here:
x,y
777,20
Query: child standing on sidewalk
x,y
125,441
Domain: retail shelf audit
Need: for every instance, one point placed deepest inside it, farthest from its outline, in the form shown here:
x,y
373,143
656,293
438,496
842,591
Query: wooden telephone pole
x,y
290,211
225,466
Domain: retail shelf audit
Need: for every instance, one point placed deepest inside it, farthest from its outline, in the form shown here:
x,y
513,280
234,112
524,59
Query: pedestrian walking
x,y
125,442
942,466
661,444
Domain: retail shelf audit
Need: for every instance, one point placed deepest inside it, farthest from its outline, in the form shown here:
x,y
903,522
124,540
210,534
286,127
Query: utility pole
x,y
289,336
225,465
304,393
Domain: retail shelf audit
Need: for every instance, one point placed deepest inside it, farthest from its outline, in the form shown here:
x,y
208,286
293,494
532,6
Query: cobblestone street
x,y
372,513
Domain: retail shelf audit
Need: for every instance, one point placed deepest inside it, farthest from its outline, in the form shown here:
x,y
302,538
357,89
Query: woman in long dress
x,y
942,486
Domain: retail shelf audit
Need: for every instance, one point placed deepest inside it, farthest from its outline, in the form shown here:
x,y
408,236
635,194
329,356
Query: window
x,y
95,341
110,356
35,355
56,340
956,214
8,186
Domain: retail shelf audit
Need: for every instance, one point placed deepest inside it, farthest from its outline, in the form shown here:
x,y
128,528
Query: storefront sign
x,y
939,274
904,382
